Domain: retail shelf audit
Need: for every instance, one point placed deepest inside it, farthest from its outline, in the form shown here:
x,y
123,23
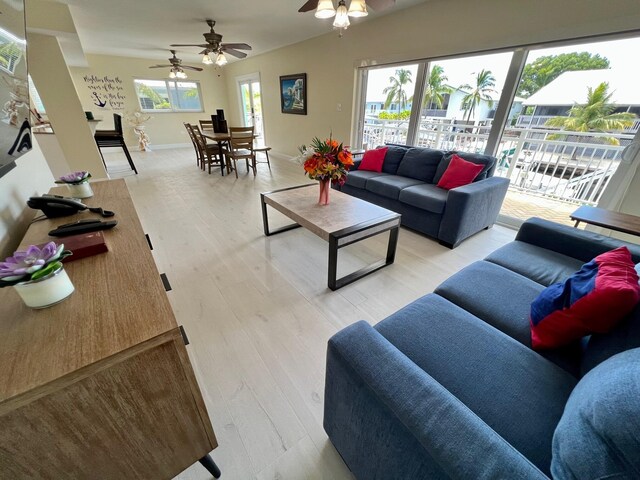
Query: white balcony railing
x,y
526,121
572,167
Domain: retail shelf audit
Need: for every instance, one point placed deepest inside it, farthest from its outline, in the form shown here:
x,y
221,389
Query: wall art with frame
x,y
293,93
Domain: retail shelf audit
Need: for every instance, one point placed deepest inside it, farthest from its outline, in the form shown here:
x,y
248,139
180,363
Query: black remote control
x,y
81,227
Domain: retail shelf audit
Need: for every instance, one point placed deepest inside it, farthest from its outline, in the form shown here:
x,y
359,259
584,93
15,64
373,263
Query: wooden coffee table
x,y
346,220
621,222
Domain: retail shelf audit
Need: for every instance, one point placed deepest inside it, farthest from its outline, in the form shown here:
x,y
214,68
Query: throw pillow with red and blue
x,y
592,300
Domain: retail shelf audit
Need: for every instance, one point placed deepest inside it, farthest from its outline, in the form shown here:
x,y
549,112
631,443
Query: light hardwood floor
x,y
258,312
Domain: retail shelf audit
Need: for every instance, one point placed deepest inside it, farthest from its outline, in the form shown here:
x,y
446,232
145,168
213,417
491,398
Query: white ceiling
x,y
145,28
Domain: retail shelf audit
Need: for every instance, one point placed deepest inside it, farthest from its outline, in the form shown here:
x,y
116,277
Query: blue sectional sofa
x,y
407,185
448,387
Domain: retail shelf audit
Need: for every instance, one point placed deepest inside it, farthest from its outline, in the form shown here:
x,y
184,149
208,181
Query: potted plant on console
x,y
78,183
328,162
37,275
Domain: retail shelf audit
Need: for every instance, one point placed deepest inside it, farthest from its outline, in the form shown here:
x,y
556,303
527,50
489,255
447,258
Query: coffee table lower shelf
x,y
381,221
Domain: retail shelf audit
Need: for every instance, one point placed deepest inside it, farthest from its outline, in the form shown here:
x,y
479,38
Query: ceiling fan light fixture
x,y
221,60
206,59
325,9
358,8
342,16
172,74
181,75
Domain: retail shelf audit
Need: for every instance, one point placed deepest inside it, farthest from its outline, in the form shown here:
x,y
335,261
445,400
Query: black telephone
x,y
54,206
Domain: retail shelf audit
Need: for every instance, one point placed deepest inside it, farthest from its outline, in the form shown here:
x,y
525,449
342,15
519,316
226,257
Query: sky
x,y
622,55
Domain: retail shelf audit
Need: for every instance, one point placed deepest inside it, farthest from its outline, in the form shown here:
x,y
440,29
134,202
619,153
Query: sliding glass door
x,y
556,118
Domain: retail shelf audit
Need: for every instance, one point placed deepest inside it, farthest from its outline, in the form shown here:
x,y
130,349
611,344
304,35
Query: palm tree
x,y
485,81
395,92
594,116
435,89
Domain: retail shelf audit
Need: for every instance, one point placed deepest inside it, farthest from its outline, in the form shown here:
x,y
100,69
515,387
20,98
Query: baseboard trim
x,y
163,146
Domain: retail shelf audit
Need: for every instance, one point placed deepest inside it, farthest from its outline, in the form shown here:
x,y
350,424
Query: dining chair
x,y
241,147
194,143
262,149
206,124
113,138
209,154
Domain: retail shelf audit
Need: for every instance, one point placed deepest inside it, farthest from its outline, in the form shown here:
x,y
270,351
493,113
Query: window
x,y
11,49
169,95
35,98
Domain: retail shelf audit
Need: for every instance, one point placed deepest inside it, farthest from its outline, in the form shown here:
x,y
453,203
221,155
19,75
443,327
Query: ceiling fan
x,y
357,8
214,45
355,4
177,68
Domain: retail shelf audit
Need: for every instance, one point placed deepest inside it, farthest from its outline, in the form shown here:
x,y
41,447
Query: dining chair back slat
x,y
194,143
209,154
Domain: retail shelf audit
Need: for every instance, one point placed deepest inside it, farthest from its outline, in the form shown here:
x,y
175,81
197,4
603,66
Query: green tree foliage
x,y
594,116
396,91
485,81
546,69
435,89
159,103
403,115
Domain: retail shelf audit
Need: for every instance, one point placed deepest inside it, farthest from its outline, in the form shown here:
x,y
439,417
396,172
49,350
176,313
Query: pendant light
x,y
342,18
221,60
357,8
325,9
206,59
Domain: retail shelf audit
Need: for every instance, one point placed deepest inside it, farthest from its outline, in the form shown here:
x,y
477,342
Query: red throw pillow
x,y
459,173
592,300
372,160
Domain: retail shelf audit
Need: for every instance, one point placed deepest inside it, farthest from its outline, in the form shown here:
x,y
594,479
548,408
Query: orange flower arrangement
x,y
327,160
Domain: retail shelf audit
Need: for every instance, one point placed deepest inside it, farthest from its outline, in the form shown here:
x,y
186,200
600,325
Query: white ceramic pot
x,y
46,291
80,190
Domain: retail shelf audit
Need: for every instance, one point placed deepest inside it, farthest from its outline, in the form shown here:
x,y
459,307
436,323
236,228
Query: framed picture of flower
x,y
293,93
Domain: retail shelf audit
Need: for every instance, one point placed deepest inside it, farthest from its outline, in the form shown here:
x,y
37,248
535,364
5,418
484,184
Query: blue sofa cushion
x,y
539,264
425,196
358,178
393,158
420,163
488,161
624,336
515,391
598,435
390,185
502,298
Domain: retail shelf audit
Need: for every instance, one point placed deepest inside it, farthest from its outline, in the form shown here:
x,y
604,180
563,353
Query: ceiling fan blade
x,y
189,67
310,5
161,66
237,46
203,45
205,51
379,5
235,53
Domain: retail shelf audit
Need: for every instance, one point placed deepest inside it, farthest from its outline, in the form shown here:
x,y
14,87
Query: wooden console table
x,y
621,222
100,385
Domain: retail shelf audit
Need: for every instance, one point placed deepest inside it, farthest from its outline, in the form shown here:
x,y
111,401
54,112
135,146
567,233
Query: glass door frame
x,y
249,79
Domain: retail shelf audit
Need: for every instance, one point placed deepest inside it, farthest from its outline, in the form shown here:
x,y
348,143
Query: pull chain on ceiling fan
x,y
214,48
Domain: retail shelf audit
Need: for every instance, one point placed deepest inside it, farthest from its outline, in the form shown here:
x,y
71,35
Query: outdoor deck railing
x,y
568,166
527,121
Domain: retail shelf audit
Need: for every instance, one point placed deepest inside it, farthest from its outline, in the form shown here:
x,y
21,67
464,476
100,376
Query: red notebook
x,y
83,245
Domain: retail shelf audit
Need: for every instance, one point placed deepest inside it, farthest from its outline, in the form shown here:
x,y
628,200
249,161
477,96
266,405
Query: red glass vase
x,y
325,187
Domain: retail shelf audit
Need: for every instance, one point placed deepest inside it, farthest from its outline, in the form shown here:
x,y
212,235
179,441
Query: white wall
x,y
165,127
433,29
30,177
